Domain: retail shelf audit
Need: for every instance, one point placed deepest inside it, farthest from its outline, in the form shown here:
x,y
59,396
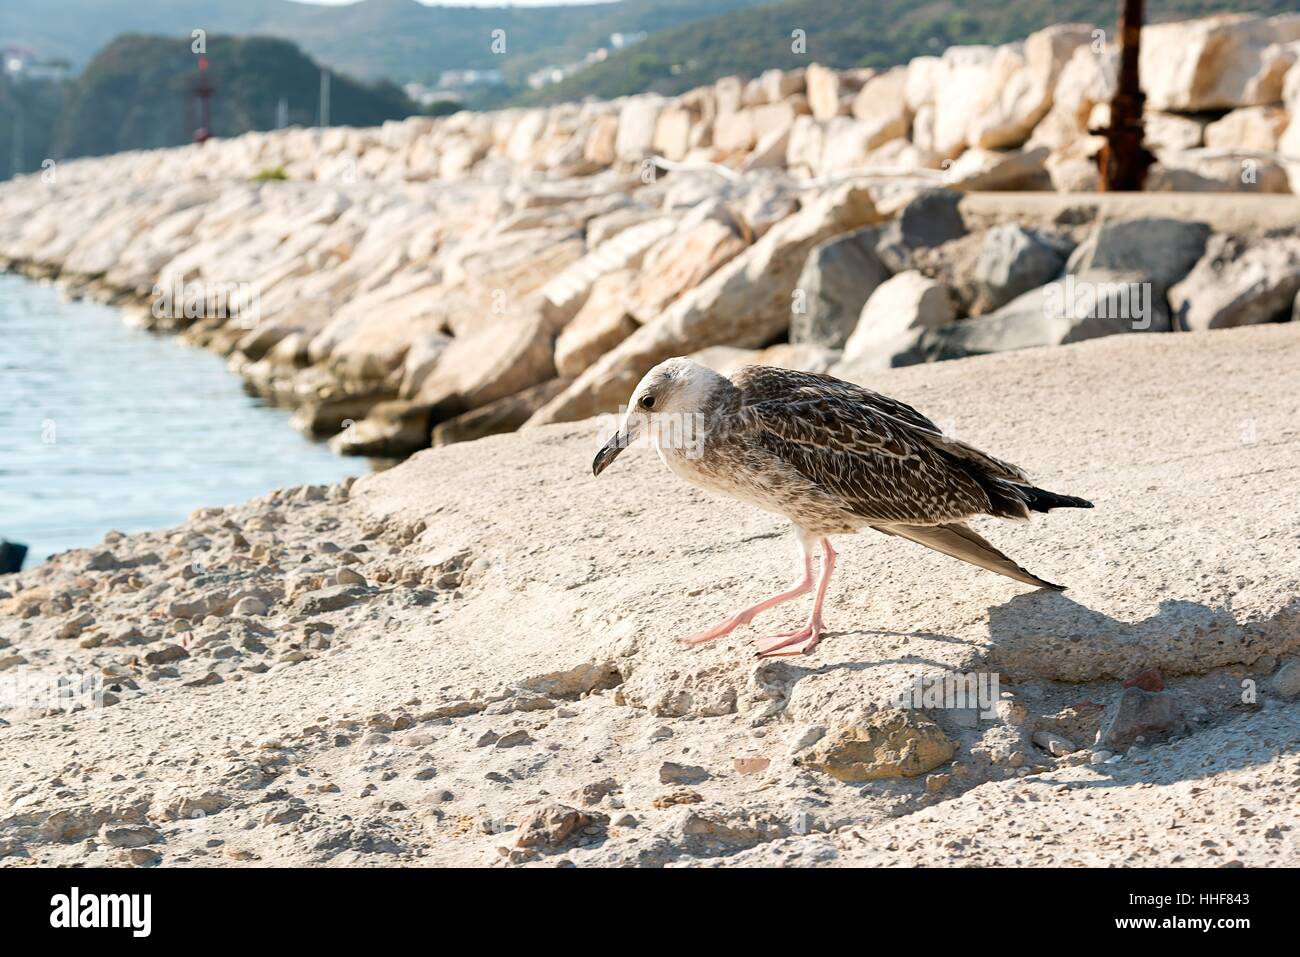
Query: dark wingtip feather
x,y
1041,500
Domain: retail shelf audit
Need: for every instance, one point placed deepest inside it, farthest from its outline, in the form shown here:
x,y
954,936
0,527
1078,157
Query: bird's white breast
x,y
757,478
720,474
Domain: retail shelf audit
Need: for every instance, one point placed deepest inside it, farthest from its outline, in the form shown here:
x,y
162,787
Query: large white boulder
x,y
955,91
881,107
1218,63
1248,128
1086,79
680,262
672,136
636,128
900,308
1021,81
601,324
1238,284
823,85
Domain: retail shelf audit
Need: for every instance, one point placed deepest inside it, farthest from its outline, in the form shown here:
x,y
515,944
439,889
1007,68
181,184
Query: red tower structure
x,y
201,89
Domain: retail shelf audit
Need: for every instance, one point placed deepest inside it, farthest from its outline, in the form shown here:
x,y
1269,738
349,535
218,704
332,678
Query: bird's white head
x,y
667,407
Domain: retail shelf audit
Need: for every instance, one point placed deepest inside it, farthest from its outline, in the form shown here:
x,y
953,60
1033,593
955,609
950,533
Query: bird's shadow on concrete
x,y
799,667
1046,635
886,633
1033,619
834,636
1186,760
1025,630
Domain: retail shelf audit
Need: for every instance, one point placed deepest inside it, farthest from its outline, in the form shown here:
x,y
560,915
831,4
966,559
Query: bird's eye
x,y
647,402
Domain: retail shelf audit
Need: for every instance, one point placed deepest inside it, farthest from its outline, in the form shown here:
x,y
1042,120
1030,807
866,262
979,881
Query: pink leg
x,y
747,615
806,638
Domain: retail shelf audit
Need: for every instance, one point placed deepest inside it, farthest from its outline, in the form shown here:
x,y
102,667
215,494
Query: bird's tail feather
x,y
961,542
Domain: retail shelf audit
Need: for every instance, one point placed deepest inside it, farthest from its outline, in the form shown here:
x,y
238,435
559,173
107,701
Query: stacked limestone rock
x,y
435,280
977,116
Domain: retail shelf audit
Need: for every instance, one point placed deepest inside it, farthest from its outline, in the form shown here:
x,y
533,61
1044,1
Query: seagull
x,y
832,457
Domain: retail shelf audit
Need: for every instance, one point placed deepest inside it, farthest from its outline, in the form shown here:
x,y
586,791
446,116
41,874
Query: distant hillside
x,y
845,33
28,112
133,94
396,39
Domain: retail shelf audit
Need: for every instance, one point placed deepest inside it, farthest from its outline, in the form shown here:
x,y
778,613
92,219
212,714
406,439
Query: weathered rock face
x,y
636,128
747,302
981,169
1214,173
390,429
602,323
421,359
945,93
778,85
930,219
1013,260
1086,80
885,744
1071,309
1020,85
1136,713
1173,131
1238,284
550,827
672,136
500,415
496,360
615,241
680,263
1163,250
823,86
837,279
898,312
1220,62
881,107
734,132
1287,680
1248,128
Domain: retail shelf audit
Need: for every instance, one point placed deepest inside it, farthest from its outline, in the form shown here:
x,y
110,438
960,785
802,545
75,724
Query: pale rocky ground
x,y
430,281
405,670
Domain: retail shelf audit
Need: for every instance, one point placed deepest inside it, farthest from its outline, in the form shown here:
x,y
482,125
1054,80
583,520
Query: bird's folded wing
x,y
768,383
849,408
843,440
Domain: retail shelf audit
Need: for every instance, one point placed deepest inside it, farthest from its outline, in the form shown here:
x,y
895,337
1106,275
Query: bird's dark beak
x,y
608,453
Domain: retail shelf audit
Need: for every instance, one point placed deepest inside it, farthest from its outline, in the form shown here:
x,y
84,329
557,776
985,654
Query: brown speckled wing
x,y
767,383
886,462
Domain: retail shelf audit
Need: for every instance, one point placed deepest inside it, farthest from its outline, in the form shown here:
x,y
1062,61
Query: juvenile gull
x,y
834,458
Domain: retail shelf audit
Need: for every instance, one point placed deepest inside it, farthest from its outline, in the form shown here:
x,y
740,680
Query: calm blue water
x,y
107,427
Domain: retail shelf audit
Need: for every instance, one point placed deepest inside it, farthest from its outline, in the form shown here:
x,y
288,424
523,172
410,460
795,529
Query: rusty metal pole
x,y
1124,160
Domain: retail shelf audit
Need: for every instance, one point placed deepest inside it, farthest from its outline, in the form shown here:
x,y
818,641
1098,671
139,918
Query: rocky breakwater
x,y
441,279
472,658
